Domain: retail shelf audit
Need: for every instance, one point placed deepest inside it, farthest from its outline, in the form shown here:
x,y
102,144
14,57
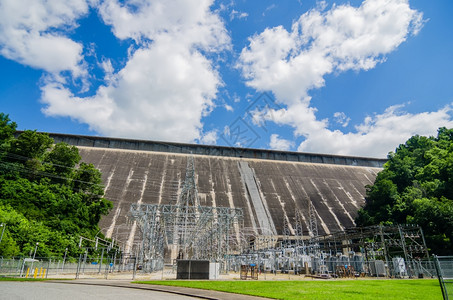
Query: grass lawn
x,y
335,289
21,279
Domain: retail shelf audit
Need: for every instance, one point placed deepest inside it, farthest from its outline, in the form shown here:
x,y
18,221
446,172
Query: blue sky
x,y
337,77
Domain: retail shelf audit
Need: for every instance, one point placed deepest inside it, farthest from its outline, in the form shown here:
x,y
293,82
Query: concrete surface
x,y
13,290
336,191
181,292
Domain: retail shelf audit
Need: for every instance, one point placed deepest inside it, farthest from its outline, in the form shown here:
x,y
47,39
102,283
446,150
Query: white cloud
x,y
228,107
320,42
226,131
106,65
299,115
167,85
161,93
31,34
209,138
269,8
191,23
238,15
379,134
277,143
341,118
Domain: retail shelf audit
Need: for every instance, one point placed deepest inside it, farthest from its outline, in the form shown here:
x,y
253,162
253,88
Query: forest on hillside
x,y
416,187
48,197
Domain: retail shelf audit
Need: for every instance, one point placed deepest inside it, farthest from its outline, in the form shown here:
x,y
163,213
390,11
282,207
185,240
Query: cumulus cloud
x,y
277,143
379,134
161,93
191,23
167,85
32,33
291,63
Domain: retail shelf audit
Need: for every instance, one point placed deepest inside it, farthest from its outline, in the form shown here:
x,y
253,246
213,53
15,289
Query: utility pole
x,y
64,258
36,248
3,230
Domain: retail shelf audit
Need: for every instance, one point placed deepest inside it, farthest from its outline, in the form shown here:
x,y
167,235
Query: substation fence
x,y
333,266
265,263
71,267
38,267
444,269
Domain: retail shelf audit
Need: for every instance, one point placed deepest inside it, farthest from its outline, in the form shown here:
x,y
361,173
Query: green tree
x,y
31,144
60,161
46,194
7,128
416,187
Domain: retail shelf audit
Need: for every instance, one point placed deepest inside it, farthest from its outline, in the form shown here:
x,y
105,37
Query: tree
x,y
416,187
46,194
60,161
7,128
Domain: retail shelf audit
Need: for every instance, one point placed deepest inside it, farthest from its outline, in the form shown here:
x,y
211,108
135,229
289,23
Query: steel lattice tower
x,y
187,230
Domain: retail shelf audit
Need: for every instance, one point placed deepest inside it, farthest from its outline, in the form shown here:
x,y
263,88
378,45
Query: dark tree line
x,y
47,194
416,187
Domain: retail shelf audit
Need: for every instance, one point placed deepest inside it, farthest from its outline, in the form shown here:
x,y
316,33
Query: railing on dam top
x,y
222,151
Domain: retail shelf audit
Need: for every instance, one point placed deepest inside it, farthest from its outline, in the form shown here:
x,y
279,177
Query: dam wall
x,y
270,186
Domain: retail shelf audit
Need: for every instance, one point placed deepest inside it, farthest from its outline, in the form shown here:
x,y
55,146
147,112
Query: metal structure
x,y
299,230
185,230
313,221
397,251
313,230
444,270
286,233
378,242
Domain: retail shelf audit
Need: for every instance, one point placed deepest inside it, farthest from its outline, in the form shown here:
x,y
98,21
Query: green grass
x,y
21,279
335,289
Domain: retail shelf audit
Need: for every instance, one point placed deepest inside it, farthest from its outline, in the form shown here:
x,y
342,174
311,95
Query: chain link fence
x,y
70,267
444,268
333,266
87,267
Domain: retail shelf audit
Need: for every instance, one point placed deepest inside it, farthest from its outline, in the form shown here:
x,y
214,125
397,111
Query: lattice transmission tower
x,y
185,230
313,227
299,230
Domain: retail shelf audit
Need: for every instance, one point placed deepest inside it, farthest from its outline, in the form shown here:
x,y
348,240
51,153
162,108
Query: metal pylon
x,y
286,233
299,229
189,193
187,201
313,226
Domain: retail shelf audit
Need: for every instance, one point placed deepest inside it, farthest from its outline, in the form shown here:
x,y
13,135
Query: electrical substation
x,y
246,210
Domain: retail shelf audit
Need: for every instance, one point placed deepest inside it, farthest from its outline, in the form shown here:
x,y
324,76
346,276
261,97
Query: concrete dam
x,y
271,187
